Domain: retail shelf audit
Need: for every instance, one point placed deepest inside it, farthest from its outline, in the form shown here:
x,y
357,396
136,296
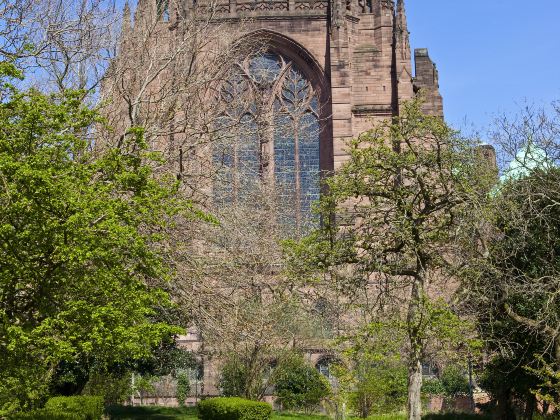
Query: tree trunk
x,y
414,390
414,404
504,410
530,407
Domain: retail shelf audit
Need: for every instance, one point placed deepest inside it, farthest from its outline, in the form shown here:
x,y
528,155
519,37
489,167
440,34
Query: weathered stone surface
x,y
357,55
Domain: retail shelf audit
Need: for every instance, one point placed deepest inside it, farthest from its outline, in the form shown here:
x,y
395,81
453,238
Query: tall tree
x,y
397,221
81,235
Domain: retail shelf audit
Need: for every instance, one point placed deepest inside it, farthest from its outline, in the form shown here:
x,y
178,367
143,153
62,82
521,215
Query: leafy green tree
x,y
81,234
298,385
513,292
399,221
510,384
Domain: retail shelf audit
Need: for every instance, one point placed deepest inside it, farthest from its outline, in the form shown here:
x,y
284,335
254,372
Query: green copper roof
x,y
527,159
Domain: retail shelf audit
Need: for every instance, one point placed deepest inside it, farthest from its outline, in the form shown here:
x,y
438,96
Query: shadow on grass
x,y
456,416
289,416
189,413
156,413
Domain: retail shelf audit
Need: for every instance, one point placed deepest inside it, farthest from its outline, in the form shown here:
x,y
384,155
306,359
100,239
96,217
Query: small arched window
x,y
324,366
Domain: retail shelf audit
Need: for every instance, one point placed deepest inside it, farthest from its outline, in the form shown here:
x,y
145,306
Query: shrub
x,y
379,388
234,378
45,414
433,386
183,388
115,388
89,408
298,385
233,409
453,382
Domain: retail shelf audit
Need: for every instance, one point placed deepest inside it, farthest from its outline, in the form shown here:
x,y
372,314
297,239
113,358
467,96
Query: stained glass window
x,y
274,136
163,10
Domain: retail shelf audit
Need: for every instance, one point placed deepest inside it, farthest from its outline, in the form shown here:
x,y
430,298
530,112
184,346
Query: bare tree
x,y
232,281
65,44
167,78
513,291
218,105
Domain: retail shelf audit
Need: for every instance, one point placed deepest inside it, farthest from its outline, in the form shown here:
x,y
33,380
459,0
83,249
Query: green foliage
x,y
380,388
234,378
548,374
514,290
80,233
453,382
373,377
91,408
401,210
298,385
433,386
113,386
233,408
45,414
183,387
167,358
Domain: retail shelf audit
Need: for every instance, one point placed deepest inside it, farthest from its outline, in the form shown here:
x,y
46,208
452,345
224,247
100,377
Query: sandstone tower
x,y
355,53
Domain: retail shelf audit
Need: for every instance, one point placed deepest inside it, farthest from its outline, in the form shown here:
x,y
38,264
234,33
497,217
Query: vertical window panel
x,y
279,106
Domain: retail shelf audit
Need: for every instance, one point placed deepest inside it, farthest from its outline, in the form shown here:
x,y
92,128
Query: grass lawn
x,y
168,413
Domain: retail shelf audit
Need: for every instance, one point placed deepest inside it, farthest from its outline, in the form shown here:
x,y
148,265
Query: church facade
x,y
336,66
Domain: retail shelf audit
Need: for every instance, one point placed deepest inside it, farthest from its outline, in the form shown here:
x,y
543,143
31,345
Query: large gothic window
x,y
273,124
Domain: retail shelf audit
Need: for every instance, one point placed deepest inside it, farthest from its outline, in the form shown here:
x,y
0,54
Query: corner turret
x,y
426,82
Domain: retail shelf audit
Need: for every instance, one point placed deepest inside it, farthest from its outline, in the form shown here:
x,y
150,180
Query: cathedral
x,y
330,68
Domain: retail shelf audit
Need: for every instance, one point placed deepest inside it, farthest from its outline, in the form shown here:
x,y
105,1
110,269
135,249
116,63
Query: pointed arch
x,y
281,118
283,45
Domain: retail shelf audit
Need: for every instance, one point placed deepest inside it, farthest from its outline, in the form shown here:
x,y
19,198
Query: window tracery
x,y
163,10
273,113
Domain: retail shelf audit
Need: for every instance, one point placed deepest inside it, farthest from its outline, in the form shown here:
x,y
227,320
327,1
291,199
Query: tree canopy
x,y
398,224
81,235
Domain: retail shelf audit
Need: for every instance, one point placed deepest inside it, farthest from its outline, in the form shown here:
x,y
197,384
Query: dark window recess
x,y
429,369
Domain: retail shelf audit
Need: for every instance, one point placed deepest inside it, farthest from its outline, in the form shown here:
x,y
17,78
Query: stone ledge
x,y
372,109
366,48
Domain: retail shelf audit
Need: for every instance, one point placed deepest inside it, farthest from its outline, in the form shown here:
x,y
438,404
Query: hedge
x,y
45,414
89,408
233,409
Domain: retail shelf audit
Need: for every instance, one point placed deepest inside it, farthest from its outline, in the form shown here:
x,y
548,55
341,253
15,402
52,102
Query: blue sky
x,y
493,56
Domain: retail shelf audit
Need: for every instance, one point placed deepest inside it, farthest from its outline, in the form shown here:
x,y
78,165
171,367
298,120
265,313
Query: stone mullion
x,y
297,174
235,174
